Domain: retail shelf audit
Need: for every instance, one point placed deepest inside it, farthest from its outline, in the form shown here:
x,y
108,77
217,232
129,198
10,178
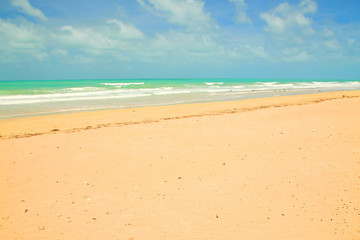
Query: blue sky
x,y
115,39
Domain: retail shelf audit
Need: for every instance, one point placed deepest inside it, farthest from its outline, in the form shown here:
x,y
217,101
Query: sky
x,y
122,39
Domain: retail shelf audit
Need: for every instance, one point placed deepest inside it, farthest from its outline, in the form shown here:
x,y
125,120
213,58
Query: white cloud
x,y
126,31
353,42
241,16
198,39
40,56
332,44
236,49
124,42
258,52
114,39
308,6
294,39
189,13
19,39
354,46
25,7
114,36
328,33
286,17
85,39
301,57
295,55
185,43
60,52
289,52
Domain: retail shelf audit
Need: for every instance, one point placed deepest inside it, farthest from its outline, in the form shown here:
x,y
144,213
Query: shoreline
x,y
80,121
35,98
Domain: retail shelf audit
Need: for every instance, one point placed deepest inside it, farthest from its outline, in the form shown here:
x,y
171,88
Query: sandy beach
x,y
270,168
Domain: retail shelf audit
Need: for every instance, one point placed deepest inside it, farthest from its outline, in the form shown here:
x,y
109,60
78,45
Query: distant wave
x,y
102,95
214,83
123,84
80,89
172,92
66,97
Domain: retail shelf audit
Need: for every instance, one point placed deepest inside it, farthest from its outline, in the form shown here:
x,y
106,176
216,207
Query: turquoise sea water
x,y
32,98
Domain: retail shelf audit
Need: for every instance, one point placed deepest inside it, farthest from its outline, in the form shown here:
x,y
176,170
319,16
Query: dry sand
x,y
272,168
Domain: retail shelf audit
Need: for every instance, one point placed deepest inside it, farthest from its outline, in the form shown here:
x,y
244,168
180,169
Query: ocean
x,y
45,97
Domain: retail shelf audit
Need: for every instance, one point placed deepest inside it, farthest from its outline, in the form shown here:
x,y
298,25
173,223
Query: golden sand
x,y
271,168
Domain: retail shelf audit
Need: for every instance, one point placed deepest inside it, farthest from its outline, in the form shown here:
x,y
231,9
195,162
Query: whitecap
x,y
123,84
214,83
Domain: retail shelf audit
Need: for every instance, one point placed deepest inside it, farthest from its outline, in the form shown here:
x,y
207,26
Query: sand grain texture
x,y
290,172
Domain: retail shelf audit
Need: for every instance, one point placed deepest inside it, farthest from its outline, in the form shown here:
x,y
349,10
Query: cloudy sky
x,y
117,39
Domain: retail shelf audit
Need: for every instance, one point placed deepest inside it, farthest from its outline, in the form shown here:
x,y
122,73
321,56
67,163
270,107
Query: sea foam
x,y
18,98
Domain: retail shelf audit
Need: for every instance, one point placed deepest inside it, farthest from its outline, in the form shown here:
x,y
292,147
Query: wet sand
x,y
271,168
